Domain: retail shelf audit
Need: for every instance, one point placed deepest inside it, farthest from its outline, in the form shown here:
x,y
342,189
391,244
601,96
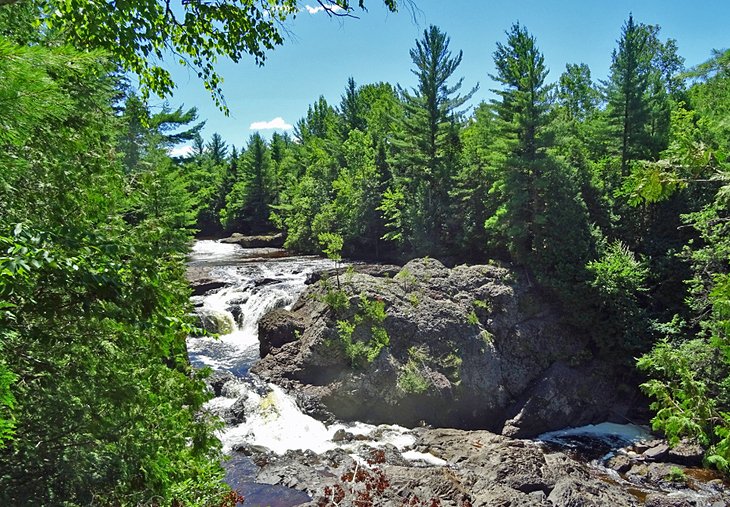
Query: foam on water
x,y
252,289
273,419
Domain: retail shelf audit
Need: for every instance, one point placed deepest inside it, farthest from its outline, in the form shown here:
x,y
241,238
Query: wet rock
x,y
218,379
644,445
236,312
278,328
659,500
686,453
657,453
203,287
251,450
620,463
342,436
483,469
238,411
214,321
259,282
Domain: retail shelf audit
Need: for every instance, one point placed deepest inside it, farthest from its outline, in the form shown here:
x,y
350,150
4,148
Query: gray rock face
x,y
479,468
469,347
276,329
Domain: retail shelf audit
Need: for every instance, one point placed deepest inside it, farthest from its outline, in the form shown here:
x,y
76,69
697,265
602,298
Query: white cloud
x,y
180,151
277,123
320,8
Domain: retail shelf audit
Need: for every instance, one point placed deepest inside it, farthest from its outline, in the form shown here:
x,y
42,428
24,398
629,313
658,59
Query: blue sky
x,y
321,52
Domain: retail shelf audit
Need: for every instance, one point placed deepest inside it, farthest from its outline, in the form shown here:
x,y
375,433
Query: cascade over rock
x,y
469,347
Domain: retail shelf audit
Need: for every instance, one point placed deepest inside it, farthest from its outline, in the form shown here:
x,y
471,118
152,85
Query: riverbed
x,y
262,419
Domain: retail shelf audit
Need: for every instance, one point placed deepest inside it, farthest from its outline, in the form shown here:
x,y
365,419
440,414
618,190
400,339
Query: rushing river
x,y
255,282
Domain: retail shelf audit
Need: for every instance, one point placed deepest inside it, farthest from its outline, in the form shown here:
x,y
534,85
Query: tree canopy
x,y
141,34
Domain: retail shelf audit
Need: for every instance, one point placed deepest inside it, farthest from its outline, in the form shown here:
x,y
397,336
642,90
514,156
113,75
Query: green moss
x,y
411,380
486,337
473,319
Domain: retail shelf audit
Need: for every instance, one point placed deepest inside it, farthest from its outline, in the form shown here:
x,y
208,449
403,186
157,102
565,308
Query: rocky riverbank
x,y
478,468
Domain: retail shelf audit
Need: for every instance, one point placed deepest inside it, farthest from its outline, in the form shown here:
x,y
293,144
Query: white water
x,y
252,289
272,418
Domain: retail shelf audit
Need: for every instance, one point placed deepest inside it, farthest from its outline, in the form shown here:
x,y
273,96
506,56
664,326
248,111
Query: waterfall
x,y
271,417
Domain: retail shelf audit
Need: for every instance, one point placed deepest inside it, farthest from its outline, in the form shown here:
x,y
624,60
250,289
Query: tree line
x,y
610,196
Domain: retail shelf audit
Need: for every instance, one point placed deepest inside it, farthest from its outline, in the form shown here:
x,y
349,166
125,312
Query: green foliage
x,y
426,148
331,245
689,376
247,205
137,33
473,319
407,279
411,379
638,90
98,403
619,278
539,216
335,298
369,317
690,391
676,474
618,274
576,93
483,305
486,337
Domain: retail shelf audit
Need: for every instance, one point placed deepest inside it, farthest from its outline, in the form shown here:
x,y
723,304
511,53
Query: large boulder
x,y
469,347
276,329
260,241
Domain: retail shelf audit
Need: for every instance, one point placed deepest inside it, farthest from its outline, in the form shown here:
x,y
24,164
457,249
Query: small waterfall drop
x,y
267,416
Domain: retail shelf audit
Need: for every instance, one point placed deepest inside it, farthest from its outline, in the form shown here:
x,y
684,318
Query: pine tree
x,y
247,205
217,149
522,113
576,93
351,109
426,147
541,218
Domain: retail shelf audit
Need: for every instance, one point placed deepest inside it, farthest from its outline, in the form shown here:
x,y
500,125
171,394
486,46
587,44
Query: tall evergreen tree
x,y
522,111
217,148
247,205
351,109
425,152
576,92
542,218
643,75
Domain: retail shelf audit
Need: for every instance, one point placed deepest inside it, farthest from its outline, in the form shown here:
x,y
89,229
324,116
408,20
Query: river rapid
x,y
256,283
261,415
